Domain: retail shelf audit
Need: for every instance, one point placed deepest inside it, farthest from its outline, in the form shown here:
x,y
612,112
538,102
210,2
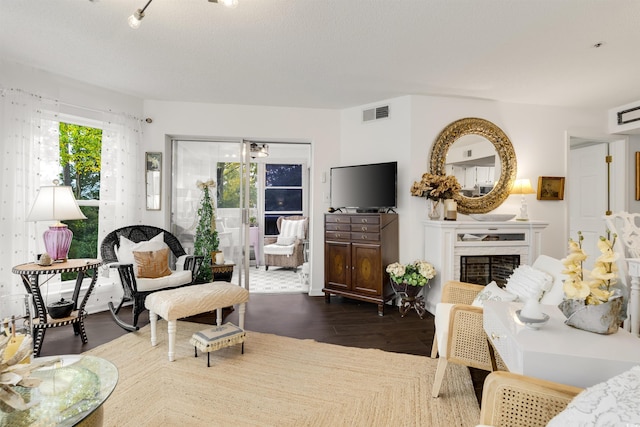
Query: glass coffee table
x,y
71,393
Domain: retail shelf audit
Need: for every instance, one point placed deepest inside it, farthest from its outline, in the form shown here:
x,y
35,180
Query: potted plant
x,y
592,303
207,241
407,282
436,188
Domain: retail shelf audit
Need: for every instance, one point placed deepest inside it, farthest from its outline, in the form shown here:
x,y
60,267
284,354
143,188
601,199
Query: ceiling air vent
x,y
375,113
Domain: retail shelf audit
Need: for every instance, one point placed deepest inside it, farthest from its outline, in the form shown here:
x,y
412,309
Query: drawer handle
x,y
365,220
364,228
495,336
364,237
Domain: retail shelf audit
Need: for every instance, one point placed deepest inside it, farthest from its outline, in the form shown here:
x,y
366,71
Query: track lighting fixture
x,y
259,150
136,17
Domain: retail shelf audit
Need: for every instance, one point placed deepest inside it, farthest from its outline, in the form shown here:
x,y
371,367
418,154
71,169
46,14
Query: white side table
x,y
557,352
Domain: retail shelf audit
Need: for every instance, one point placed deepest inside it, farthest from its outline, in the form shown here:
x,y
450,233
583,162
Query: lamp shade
x,y
522,186
56,203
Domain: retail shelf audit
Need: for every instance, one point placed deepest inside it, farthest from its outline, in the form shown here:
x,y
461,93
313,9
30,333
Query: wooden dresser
x,y
357,250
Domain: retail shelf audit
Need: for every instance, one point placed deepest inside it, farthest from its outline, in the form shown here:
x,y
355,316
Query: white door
x,y
589,201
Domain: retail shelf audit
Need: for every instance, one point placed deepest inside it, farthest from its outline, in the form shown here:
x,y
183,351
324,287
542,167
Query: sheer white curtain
x,y
120,175
29,160
29,141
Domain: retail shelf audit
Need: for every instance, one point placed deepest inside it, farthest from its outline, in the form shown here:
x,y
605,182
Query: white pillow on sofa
x,y
292,228
125,251
285,240
615,402
492,292
528,282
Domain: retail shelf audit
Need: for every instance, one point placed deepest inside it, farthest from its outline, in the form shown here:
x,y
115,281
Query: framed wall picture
x,y
153,180
551,188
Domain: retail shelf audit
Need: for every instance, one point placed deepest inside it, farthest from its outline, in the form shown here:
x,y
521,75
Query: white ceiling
x,y
336,53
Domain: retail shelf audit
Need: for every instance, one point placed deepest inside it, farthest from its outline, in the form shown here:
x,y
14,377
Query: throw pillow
x,y
292,227
126,248
528,282
152,264
614,402
285,240
492,292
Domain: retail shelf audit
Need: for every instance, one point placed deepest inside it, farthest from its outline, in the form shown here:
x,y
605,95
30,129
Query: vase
x,y
450,209
434,209
601,318
410,298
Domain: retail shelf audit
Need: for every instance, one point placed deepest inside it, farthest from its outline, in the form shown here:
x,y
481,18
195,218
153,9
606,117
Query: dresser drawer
x,y
337,235
365,228
332,226
366,237
359,219
337,219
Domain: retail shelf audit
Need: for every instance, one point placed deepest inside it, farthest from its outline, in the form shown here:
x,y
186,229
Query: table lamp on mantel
x,y
56,203
522,186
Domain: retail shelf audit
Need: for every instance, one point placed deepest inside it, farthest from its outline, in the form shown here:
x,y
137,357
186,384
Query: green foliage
x,y
206,235
80,162
228,178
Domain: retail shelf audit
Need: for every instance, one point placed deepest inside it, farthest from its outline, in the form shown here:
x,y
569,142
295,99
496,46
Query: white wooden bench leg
x,y
153,318
172,339
219,316
241,310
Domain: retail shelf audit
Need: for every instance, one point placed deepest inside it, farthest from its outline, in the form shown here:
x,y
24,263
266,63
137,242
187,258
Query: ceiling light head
x,y
259,150
135,18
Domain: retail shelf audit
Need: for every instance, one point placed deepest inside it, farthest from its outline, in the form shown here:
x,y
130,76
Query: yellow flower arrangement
x,y
436,187
597,288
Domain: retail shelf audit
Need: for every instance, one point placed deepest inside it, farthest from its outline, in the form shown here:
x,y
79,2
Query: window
x,y
283,194
228,185
80,161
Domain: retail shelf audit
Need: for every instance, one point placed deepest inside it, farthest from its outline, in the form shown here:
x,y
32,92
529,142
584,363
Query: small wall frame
x,y
551,188
153,180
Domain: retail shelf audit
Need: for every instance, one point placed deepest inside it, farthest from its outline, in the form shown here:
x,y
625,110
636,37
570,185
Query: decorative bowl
x,y
492,217
532,323
60,309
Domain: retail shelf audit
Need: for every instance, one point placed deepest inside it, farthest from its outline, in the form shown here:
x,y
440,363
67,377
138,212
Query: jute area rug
x,y
278,381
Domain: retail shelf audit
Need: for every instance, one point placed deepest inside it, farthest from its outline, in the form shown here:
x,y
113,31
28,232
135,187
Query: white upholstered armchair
x,y
287,249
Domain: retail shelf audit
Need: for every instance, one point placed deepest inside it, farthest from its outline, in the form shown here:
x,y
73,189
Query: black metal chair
x,y
139,233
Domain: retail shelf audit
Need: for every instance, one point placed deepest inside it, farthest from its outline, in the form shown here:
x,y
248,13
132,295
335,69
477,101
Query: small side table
x,y
223,271
30,274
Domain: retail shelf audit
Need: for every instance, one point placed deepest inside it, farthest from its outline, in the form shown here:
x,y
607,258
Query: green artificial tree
x,y
206,234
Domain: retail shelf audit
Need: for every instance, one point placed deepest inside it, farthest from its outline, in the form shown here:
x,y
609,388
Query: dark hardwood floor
x,y
343,322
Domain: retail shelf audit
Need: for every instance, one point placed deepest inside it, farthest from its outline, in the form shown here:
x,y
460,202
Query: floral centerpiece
x,y
591,300
407,281
436,188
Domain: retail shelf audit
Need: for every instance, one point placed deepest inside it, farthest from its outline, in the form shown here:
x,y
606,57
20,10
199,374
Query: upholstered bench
x,y
216,338
174,304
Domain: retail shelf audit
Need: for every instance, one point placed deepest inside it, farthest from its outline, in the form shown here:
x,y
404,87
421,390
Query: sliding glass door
x,y
223,166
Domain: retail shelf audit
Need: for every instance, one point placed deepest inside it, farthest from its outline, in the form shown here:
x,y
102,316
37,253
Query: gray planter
x,y
602,318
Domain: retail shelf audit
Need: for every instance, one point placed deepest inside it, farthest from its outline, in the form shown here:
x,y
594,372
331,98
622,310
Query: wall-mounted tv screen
x,y
370,187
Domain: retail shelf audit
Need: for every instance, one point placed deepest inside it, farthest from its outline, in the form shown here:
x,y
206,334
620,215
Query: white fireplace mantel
x,y
446,241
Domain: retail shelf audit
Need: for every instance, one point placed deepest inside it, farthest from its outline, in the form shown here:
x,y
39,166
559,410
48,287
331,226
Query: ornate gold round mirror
x,y
486,195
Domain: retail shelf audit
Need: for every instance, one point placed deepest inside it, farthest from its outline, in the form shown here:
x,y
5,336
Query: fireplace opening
x,y
482,269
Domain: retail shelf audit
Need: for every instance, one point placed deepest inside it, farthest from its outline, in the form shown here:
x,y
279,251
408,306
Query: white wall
x,y
537,134
319,127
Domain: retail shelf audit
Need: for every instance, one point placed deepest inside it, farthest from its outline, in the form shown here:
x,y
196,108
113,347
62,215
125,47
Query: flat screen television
x,y
366,188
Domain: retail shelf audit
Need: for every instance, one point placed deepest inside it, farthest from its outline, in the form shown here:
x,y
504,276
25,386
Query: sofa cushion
x,y
285,240
152,264
177,278
492,292
615,402
124,252
293,228
275,249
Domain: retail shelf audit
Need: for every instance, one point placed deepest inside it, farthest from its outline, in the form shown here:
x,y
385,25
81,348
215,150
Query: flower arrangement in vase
x,y
436,188
407,282
207,240
591,301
